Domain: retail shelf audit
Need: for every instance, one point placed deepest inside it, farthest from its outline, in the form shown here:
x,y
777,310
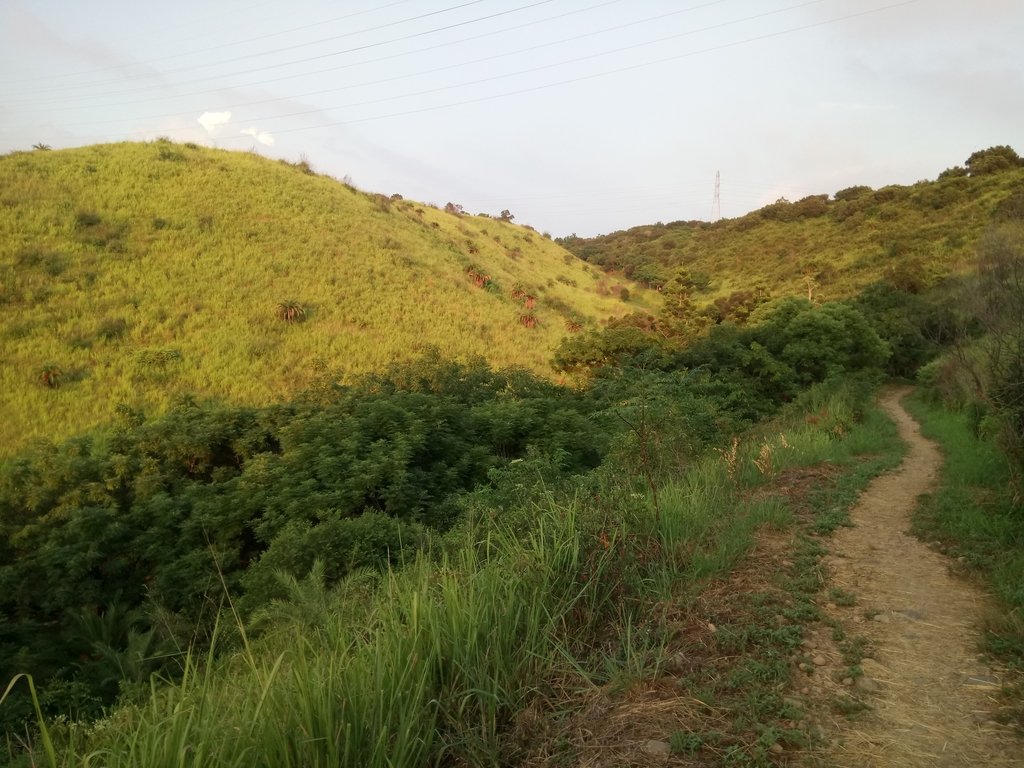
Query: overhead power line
x,y
220,46
465,64
542,67
63,102
329,39
592,76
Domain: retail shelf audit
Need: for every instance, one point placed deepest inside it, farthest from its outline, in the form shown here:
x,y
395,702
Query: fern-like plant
x,y
290,311
50,375
478,276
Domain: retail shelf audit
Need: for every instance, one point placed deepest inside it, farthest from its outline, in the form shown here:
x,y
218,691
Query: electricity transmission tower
x,y
716,206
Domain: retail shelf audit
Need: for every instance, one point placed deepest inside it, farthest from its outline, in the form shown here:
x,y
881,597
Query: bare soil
x,y
932,700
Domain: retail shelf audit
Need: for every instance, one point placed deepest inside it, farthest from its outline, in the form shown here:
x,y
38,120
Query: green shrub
x,y
85,219
112,328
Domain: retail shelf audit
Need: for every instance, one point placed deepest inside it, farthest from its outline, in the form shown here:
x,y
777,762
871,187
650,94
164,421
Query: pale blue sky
x,y
579,116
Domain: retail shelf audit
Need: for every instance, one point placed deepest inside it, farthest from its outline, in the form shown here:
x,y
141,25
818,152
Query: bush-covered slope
x,y
131,273
833,246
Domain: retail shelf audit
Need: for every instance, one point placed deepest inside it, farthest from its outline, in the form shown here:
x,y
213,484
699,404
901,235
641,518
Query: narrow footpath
x,y
932,700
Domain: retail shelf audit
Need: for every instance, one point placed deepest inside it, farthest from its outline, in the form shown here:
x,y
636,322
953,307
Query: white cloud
x,y
211,120
261,136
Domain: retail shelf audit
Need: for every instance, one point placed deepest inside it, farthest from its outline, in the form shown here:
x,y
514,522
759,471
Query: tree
x,y
993,160
852,193
832,339
680,316
611,346
506,215
899,316
956,172
818,342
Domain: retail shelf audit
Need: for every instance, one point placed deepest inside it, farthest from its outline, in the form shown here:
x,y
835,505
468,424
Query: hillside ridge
x,y
831,246
140,272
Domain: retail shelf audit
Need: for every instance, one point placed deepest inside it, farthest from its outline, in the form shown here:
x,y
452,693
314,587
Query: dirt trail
x,y
932,700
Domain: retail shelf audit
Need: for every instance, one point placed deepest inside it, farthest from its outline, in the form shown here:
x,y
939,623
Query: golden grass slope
x,y
835,245
132,273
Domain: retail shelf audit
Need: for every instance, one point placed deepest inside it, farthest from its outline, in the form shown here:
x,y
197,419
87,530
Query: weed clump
x,y
290,311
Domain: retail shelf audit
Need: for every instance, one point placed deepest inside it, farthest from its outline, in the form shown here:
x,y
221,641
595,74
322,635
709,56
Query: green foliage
x,y
341,545
911,324
650,274
974,514
821,342
852,193
446,654
1000,307
84,219
737,306
983,374
993,160
99,538
610,347
750,370
112,328
290,311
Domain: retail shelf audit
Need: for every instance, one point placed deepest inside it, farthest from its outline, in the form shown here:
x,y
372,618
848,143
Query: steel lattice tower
x,y
716,206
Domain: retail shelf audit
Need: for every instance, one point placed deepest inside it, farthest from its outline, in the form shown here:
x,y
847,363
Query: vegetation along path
x,y
932,700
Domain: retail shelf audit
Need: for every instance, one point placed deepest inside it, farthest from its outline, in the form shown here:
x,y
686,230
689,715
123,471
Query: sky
x,y
578,116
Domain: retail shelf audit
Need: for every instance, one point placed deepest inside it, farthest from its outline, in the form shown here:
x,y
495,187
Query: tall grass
x,y
974,514
437,665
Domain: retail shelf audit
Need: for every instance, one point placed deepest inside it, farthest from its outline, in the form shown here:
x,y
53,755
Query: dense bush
x,y
852,193
993,160
915,326
748,370
820,342
982,376
607,347
147,522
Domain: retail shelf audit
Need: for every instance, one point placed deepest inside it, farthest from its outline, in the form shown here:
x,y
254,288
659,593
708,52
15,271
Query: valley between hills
x,y
293,473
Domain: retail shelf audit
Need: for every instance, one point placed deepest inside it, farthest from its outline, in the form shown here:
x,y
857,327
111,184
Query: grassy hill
x,y
133,273
835,245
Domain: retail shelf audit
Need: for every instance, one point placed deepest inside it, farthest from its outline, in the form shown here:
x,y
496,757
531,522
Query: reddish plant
x,y
480,280
50,376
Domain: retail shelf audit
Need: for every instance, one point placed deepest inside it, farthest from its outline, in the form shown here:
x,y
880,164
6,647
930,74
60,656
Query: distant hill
x,y
133,273
834,245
